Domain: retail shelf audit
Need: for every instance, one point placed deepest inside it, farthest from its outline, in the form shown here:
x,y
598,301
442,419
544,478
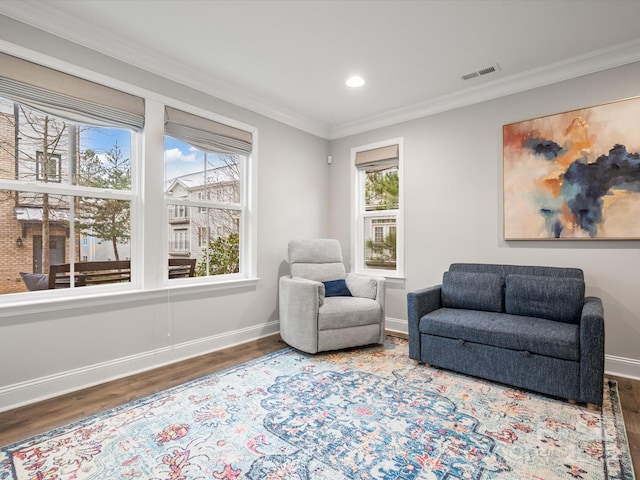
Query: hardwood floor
x,y
40,417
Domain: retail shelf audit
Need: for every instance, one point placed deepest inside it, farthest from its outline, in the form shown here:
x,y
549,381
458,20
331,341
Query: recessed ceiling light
x,y
355,81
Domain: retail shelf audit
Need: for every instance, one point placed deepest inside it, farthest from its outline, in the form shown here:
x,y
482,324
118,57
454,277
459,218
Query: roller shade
x,y
68,97
206,135
378,158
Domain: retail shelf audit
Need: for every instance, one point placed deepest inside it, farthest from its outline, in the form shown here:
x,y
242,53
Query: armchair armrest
x,y
419,303
592,351
367,286
373,287
299,302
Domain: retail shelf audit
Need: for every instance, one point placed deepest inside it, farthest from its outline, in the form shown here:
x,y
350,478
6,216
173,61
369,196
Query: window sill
x,y
119,298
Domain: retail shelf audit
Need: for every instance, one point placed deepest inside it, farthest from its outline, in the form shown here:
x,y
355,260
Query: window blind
x,y
68,97
207,135
378,158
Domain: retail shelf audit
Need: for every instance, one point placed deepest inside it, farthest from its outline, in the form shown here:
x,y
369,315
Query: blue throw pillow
x,y
336,288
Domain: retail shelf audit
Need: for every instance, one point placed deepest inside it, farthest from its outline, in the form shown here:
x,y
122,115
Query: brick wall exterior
x,y
14,258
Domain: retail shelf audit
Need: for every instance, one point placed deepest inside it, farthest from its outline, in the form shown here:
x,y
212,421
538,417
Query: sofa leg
x,y
572,402
417,362
593,406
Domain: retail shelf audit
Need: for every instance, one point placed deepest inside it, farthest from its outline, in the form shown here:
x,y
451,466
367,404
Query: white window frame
x,y
149,277
246,206
74,191
358,213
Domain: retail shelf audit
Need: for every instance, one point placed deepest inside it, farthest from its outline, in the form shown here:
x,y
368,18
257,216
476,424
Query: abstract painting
x,y
574,175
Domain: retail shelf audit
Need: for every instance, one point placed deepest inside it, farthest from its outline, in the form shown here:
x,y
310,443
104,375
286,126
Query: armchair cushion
x,y
343,312
336,288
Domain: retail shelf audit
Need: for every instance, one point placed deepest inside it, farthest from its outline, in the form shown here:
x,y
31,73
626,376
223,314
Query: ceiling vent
x,y
484,71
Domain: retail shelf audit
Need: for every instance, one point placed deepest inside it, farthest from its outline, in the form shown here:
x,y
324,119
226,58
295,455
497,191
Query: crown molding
x,y
592,62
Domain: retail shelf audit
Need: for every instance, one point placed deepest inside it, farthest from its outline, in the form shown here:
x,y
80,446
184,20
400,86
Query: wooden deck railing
x,y
98,273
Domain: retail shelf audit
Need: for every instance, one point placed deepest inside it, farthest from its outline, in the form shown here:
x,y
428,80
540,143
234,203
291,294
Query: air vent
x,y
484,71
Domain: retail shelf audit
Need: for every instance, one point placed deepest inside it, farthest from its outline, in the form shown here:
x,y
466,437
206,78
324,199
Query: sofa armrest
x,y
419,303
592,351
299,301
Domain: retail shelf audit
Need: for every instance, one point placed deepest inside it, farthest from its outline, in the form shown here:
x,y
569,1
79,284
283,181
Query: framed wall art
x,y
574,175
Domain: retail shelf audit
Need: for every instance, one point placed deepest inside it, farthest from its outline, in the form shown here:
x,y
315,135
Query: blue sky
x,y
179,158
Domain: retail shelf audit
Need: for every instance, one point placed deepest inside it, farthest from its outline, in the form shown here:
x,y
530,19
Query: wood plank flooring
x,y
40,417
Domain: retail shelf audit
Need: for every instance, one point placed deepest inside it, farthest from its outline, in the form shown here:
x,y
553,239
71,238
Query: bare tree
x,y
40,145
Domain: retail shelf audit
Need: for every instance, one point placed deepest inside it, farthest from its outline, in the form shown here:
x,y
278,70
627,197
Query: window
x,y
70,168
66,191
48,168
377,188
206,178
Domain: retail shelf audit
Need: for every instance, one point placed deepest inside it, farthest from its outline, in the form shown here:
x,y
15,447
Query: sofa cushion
x,y
473,291
559,299
527,334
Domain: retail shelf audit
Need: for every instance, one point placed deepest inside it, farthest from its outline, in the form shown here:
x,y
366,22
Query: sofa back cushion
x,y
553,298
504,270
473,291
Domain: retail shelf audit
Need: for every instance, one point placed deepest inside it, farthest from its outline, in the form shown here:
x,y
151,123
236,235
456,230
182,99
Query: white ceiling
x,y
289,59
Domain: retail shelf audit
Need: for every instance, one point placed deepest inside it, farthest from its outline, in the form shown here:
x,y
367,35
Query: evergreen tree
x,y
224,256
105,219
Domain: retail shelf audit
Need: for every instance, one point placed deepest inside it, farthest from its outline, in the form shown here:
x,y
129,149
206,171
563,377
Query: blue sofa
x,y
526,326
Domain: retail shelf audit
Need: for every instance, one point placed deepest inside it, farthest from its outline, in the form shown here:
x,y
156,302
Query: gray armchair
x,y
316,312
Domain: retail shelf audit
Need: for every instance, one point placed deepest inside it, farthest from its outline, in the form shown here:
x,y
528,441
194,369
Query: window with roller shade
x,y
210,191
66,171
378,245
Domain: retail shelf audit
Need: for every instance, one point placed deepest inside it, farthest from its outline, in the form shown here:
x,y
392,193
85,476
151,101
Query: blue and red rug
x,y
362,414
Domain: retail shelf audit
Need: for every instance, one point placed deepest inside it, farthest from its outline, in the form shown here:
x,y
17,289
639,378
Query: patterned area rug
x,y
361,414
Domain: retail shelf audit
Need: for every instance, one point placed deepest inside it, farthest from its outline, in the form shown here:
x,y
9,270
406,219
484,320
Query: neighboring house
x,y
192,228
20,213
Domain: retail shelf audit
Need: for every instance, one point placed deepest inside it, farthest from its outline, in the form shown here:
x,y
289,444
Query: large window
x,y
377,228
71,173
206,193
66,190
67,193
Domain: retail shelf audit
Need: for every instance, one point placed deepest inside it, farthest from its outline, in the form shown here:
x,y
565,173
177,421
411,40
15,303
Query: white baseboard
x,y
396,325
16,395
622,367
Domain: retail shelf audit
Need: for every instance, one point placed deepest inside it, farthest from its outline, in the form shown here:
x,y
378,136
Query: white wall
x,y
453,198
43,353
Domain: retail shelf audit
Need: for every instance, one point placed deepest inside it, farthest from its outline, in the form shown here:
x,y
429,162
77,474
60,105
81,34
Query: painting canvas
x,y
574,175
